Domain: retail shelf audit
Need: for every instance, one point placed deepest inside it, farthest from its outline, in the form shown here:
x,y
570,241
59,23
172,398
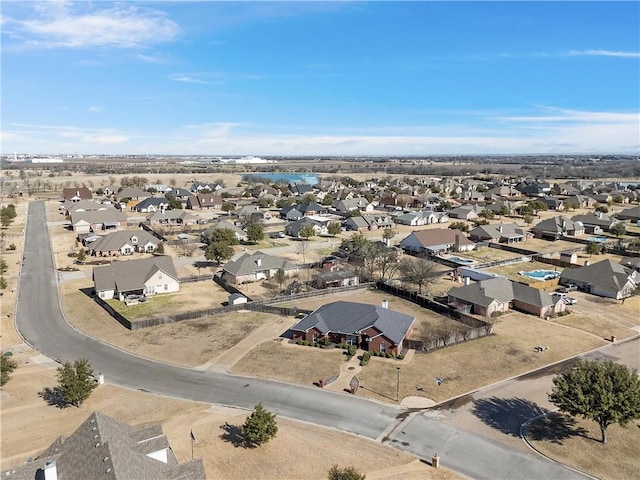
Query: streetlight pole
x,y
398,387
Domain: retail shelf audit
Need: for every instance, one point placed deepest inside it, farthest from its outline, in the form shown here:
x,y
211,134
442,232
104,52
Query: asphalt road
x,y
41,323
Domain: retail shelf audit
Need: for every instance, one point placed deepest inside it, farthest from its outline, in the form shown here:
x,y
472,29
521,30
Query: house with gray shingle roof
x,y
367,326
500,233
555,228
605,279
145,276
437,240
171,217
103,447
97,220
487,297
240,234
124,242
251,267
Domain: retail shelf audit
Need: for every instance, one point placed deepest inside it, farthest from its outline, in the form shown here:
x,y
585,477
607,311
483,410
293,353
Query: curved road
x,y
40,321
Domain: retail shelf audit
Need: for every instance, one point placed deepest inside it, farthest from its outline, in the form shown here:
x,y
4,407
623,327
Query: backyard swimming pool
x,y
460,260
541,274
597,239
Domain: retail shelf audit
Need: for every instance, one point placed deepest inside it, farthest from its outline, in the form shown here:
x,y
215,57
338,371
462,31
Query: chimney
x,y
385,304
467,280
50,470
500,228
259,261
600,215
586,263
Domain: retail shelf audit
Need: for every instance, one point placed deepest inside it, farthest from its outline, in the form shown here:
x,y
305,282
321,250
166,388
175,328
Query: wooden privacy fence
x,y
477,328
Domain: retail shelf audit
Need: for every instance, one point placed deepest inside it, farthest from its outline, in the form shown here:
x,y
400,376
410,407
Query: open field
x,y
487,254
29,425
189,343
576,442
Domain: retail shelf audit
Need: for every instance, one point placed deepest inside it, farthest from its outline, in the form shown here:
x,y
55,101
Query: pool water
x,y
597,239
460,260
541,274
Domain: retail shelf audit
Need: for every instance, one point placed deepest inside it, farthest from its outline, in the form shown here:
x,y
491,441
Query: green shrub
x,y
300,342
351,350
389,355
374,353
400,357
12,246
365,359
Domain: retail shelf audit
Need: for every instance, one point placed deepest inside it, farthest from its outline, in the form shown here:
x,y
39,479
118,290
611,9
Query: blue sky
x,y
325,78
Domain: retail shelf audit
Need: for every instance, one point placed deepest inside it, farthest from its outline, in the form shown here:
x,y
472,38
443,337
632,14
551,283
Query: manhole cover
x,y
351,368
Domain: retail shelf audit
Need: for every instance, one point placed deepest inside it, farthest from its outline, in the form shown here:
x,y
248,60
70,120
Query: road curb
x,y
526,441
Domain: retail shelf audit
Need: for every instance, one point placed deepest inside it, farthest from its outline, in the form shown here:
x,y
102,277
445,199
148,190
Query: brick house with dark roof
x,y
367,326
75,194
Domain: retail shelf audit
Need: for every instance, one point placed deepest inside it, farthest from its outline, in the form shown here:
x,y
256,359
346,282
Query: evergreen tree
x,y
605,392
259,428
255,231
81,257
7,366
218,251
334,228
346,473
76,381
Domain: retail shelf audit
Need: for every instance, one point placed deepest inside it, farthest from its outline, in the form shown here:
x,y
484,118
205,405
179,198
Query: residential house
x,y
85,206
200,187
145,276
504,191
240,234
124,242
605,279
103,447
553,203
151,204
497,295
171,217
132,194
75,194
555,228
437,241
98,220
204,200
251,267
368,222
332,278
582,201
594,221
535,190
291,213
421,217
356,203
632,214
499,233
260,191
320,226
157,187
180,194
312,208
501,206
300,189
602,198
367,326
466,212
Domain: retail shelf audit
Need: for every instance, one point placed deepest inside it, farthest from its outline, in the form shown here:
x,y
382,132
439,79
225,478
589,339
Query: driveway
x,y
40,321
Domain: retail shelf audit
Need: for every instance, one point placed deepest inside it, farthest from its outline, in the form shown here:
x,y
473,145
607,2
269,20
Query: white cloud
x,y
57,25
602,53
187,79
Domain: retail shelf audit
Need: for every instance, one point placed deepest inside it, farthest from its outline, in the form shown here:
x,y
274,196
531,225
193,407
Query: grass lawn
x,y
290,363
595,324
470,365
576,442
488,254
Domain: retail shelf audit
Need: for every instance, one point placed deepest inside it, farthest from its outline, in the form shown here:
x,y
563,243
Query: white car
x,y
564,297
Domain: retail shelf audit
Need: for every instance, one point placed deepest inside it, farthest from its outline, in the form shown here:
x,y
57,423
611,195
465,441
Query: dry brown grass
x,y
578,444
602,327
290,363
471,365
29,426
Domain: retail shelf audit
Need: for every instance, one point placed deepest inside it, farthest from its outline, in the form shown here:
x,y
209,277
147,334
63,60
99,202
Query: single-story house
x,y
466,212
590,221
330,278
104,447
367,326
299,189
85,206
500,233
145,276
498,294
75,194
251,267
171,217
605,279
124,242
437,240
240,234
368,222
320,226
133,193
555,228
421,217
204,200
632,214
95,221
355,203
197,187
151,204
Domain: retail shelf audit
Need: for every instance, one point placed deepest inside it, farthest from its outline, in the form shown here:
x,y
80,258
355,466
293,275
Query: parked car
x,y
564,297
568,288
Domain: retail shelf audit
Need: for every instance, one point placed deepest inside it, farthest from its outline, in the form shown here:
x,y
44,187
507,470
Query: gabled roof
x,y
352,318
493,231
103,447
630,213
248,264
126,276
131,192
605,275
155,201
440,236
99,216
115,240
503,290
601,219
81,192
559,224
171,214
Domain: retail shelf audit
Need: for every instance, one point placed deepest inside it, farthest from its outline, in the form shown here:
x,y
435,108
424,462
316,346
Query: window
x,y
166,287
314,338
383,347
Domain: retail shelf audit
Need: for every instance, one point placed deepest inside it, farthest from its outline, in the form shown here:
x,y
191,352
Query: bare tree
x,y
417,271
